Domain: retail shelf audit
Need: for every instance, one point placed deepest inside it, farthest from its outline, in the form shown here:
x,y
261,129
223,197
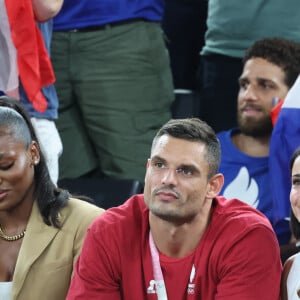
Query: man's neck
x,y
176,240
252,146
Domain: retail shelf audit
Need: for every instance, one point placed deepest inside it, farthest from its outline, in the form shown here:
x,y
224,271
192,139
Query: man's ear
x,y
147,167
215,185
148,163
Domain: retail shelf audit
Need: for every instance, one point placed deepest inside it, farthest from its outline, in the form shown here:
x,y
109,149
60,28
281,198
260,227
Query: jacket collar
x,y
37,237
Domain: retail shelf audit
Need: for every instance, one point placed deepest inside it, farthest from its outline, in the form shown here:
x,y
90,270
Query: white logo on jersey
x,y
151,288
154,286
191,285
244,188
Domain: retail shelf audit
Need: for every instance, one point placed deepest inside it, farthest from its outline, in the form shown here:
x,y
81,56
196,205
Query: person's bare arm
x,y
46,9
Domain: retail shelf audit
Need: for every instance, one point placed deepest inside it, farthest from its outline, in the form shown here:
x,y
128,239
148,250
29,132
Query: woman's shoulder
x,y
288,264
290,261
81,208
83,204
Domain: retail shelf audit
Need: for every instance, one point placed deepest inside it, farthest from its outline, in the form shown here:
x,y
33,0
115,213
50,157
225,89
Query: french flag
x,y
284,141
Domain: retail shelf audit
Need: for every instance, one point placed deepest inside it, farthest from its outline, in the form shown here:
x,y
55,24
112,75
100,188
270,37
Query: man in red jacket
x,y
180,240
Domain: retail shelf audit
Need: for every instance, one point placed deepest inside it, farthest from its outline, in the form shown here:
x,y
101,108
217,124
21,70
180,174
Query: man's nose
x,y
169,177
250,93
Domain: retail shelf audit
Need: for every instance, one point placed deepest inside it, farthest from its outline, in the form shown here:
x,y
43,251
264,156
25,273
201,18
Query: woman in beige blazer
x,y
41,227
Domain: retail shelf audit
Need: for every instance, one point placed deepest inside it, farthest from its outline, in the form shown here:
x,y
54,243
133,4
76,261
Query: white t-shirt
x,y
5,290
293,280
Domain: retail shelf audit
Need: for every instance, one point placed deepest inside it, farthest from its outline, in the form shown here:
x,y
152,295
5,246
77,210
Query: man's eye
x,y
243,84
6,167
184,171
296,181
266,86
158,165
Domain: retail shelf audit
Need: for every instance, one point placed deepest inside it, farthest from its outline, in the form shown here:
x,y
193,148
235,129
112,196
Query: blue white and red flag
x,y
284,141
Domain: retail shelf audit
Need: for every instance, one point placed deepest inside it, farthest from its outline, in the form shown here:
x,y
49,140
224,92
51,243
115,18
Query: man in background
x,y
271,66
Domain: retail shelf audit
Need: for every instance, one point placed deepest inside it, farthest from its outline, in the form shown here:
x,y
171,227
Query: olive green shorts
x,y
115,91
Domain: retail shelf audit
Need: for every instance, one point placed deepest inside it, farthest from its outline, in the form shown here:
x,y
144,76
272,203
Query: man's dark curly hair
x,y
281,52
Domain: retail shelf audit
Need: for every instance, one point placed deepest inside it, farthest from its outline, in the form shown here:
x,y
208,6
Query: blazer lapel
x,y
37,237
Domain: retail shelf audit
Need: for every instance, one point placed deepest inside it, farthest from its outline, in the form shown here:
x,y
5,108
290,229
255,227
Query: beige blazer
x,y
47,255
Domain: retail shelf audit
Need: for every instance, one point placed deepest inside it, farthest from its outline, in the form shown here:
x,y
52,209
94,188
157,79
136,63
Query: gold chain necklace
x,y
11,238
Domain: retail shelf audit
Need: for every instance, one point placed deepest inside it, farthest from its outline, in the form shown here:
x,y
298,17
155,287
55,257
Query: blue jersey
x,y
247,178
76,14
